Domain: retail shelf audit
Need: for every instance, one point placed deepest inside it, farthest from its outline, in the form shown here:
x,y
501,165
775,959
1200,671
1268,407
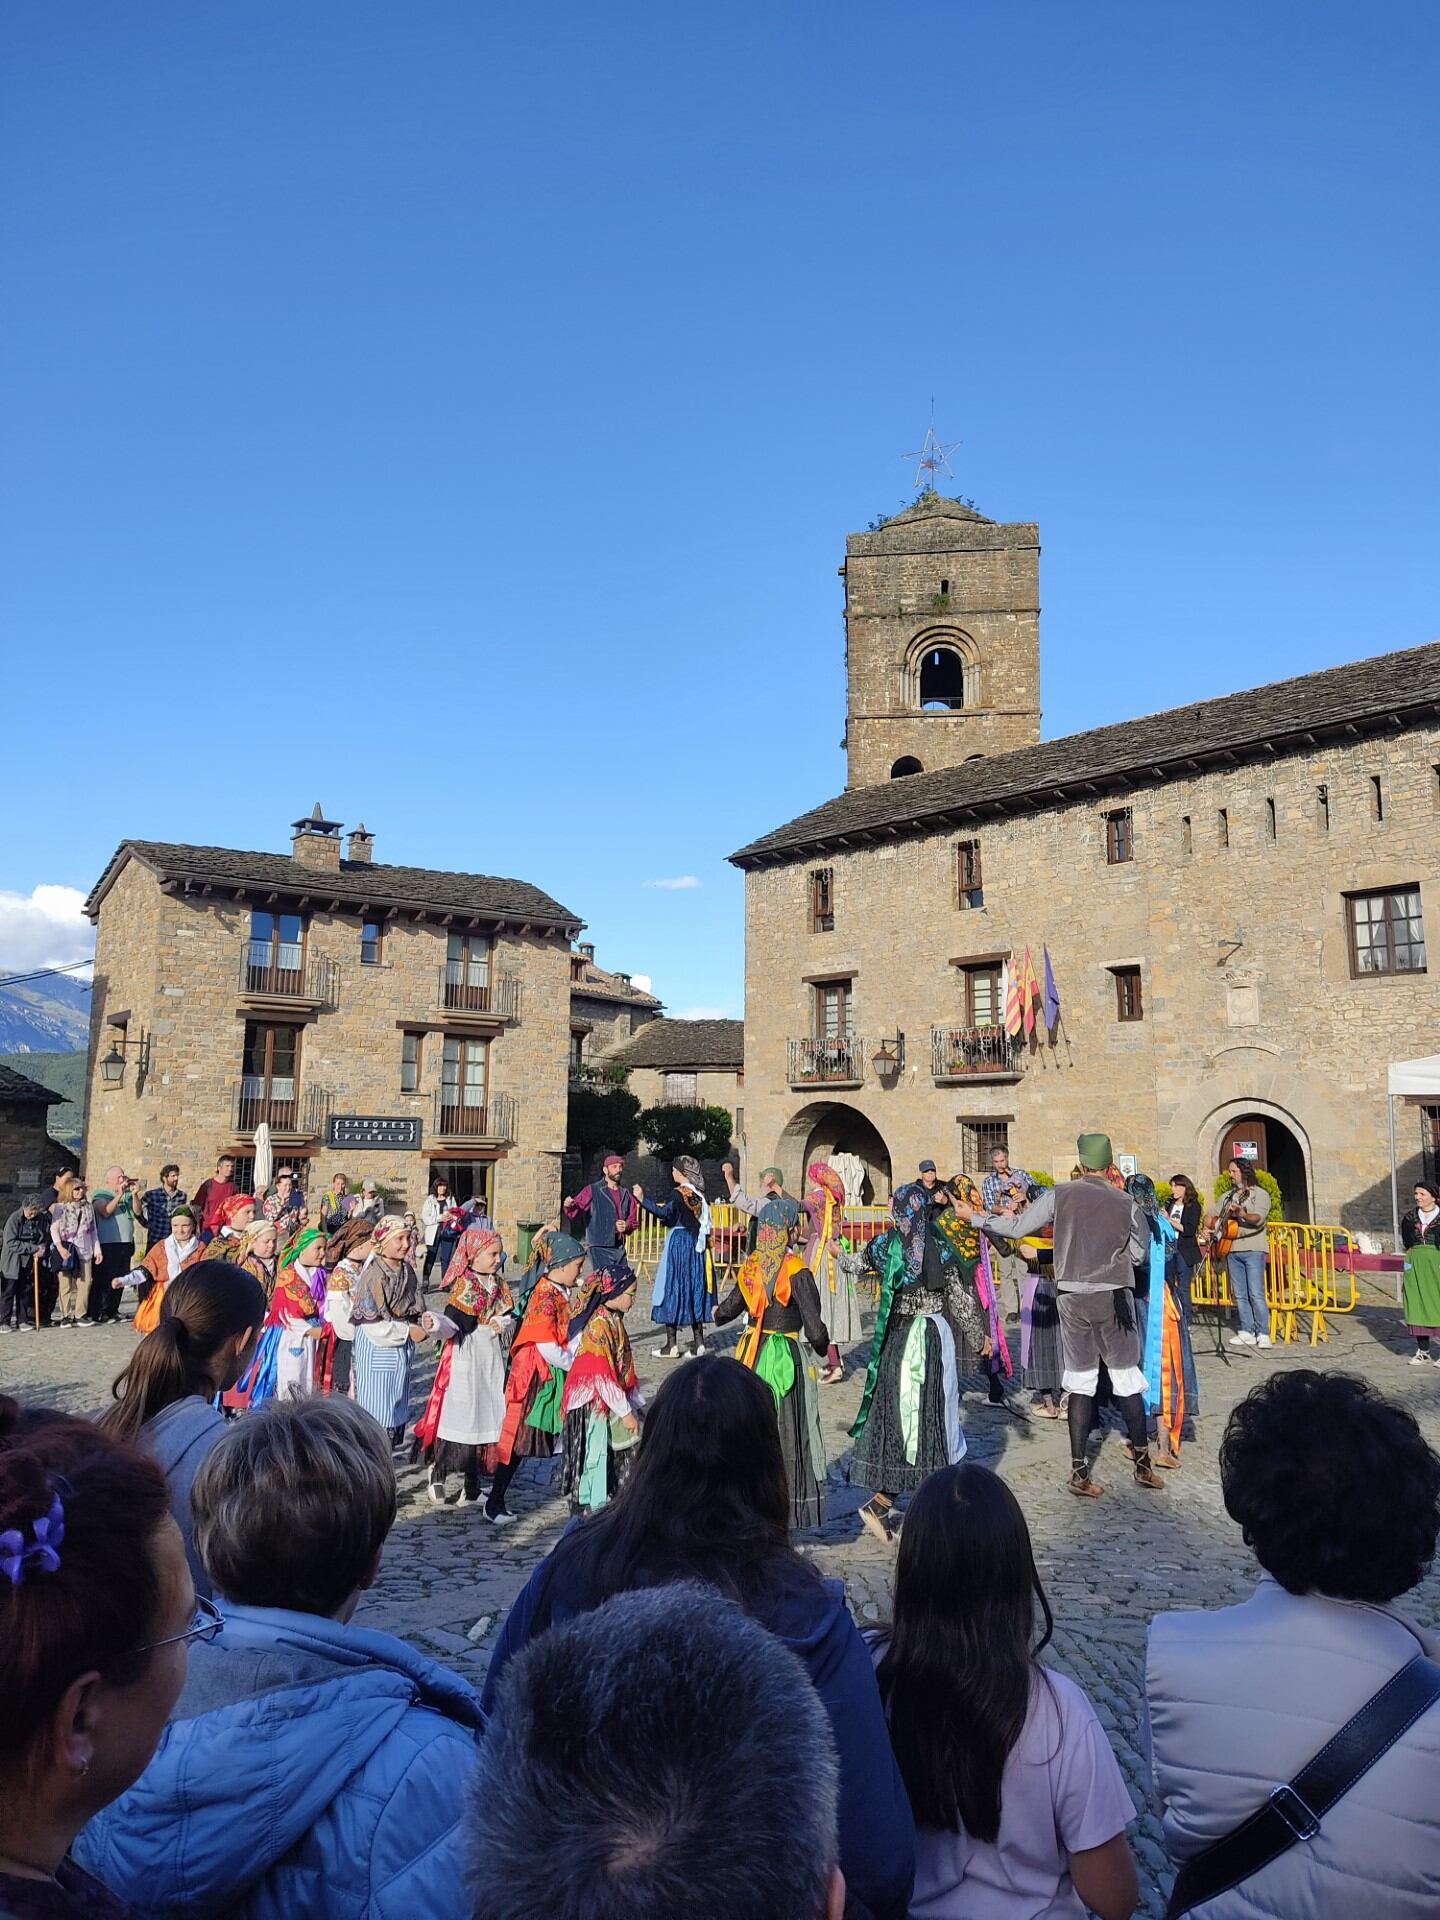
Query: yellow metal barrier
x,y
729,1230
1302,1276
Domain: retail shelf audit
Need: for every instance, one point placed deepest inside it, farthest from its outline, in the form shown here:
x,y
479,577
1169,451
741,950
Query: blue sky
x,y
454,413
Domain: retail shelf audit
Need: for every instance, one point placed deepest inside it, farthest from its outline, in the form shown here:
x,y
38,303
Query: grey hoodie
x,y
177,1440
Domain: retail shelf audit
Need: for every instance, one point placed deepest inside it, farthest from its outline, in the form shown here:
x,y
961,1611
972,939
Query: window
x,y
269,1069
680,1090
462,1085
466,1179
1377,798
1222,827
833,1013
1270,819
1387,932
1322,807
1429,1142
1119,837
968,883
978,1140
944,586
981,987
577,1049
942,681
1435,786
467,972
410,1044
902,768
372,938
275,953
1187,836
822,900
1129,1002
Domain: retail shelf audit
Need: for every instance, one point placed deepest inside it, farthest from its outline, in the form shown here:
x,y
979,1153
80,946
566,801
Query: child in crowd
x,y
602,1400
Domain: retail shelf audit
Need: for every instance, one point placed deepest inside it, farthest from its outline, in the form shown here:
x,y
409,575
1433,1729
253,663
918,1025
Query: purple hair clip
x,y
41,1554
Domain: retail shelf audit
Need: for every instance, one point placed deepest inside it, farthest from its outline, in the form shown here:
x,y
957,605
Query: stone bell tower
x,y
942,640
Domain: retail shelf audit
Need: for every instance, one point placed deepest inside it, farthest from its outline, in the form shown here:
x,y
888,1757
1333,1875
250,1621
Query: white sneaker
x,y
1264,1340
1419,1359
501,1519
1241,1340
666,1353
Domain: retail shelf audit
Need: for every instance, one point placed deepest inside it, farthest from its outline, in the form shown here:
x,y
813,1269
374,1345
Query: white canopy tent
x,y
1417,1079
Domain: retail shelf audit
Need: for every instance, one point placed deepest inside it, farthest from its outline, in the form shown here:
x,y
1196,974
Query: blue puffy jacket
x,y
312,1771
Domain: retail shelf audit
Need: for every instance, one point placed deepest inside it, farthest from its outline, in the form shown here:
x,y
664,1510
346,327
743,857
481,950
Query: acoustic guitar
x,y
1221,1230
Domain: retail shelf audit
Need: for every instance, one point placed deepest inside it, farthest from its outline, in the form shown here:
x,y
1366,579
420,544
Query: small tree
x,y
701,1131
601,1117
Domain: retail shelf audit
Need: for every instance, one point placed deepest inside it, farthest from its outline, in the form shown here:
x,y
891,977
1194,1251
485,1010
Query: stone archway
x,y
826,1127
1201,1126
1270,1143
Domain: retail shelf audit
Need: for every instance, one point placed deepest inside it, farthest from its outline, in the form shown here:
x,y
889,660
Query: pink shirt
x,y
1062,1792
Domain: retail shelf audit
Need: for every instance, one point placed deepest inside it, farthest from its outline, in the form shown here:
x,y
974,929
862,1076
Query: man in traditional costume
x,y
459,1431
601,1403
538,1360
1100,1236
606,1212
684,1294
772,1188
778,1291
909,1420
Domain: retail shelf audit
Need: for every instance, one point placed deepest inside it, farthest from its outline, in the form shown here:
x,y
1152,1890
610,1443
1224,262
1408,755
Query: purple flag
x,y
1049,995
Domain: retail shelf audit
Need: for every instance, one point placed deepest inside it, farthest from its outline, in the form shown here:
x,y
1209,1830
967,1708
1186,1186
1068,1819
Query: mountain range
x,y
49,1015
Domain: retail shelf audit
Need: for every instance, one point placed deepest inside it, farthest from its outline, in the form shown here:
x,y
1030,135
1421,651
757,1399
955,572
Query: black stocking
x,y
505,1472
1078,1414
1131,1408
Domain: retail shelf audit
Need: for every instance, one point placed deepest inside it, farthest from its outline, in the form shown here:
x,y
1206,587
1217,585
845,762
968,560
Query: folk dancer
x,y
335,1352
778,1291
909,1420
1420,1237
236,1215
180,1248
1099,1236
1173,1394
601,1403
833,1266
253,1251
772,1188
386,1304
538,1359
1006,1189
684,1293
978,1262
459,1432
605,1213
284,1366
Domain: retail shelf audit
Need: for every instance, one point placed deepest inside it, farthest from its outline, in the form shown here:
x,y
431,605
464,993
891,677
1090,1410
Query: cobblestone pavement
x,y
1107,1566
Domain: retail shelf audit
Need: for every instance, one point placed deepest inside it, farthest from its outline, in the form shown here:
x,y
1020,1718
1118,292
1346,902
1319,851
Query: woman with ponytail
x,y
96,1615
210,1319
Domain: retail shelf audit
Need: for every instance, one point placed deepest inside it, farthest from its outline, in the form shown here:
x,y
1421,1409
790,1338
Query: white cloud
x,y
706,1013
682,883
643,982
45,928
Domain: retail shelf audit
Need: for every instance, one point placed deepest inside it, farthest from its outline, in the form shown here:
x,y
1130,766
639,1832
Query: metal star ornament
x,y
932,458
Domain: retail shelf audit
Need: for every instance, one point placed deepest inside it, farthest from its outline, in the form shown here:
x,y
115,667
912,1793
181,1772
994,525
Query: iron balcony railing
x,y
465,988
280,1105
282,972
965,1053
458,1119
839,1062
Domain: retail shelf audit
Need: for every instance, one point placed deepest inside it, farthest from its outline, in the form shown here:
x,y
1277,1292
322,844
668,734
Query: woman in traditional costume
x,y
1162,1313
180,1249
832,1265
1420,1237
284,1367
972,1251
601,1402
386,1304
460,1428
684,1293
335,1351
538,1361
909,1420
778,1291
253,1251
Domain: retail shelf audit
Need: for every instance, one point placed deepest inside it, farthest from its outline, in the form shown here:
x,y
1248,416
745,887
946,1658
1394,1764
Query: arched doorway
x,y
1269,1144
825,1128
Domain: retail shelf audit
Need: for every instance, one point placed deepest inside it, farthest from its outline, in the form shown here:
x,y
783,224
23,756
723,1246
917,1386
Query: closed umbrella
x,y
264,1158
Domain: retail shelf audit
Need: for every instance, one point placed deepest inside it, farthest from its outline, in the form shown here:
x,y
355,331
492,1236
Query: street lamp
x,y
112,1065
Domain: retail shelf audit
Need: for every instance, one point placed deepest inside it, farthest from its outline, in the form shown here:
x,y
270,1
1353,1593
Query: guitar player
x,y
1248,1205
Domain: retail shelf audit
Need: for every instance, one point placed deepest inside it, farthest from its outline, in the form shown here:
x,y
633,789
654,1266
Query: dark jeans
x,y
341,1360
444,1246
112,1264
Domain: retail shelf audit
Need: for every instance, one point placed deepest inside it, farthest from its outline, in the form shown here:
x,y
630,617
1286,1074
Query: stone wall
x,y
895,610
25,1147
1275,1026
175,963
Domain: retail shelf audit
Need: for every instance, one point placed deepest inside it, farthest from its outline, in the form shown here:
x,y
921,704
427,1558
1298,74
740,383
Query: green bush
x,y
701,1131
601,1117
1262,1179
1039,1178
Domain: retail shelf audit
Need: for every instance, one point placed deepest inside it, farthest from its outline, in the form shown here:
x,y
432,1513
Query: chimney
x,y
360,847
587,950
622,976
315,841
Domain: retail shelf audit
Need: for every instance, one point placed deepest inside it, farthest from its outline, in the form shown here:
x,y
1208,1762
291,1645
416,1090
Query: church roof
x,y
1388,689
683,1043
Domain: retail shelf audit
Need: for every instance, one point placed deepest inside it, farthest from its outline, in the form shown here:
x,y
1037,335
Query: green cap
x,y
772,1173
1093,1152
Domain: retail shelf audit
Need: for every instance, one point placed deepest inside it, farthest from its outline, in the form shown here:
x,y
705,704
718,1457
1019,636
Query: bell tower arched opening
x,y
941,687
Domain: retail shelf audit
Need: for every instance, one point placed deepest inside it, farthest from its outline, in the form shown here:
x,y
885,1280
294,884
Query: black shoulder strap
x,y
1294,1812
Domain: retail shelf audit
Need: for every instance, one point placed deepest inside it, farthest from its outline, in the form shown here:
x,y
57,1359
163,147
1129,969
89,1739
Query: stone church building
x,y
1237,897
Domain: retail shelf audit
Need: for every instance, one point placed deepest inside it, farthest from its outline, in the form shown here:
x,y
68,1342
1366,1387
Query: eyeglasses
x,y
205,1627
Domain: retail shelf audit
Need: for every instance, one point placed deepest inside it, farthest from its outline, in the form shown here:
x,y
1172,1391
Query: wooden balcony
x,y
963,1054
293,1115
282,977
490,1125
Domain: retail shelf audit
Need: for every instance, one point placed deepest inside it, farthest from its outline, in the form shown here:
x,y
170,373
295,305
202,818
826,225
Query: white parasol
x,y
264,1159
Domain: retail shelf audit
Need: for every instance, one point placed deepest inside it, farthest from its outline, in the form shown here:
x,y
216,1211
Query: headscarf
x,y
475,1293
189,1213
475,1239
560,1249
303,1241
235,1206
760,1279
688,1168
964,1238
386,1225
910,1209
306,1237
606,1285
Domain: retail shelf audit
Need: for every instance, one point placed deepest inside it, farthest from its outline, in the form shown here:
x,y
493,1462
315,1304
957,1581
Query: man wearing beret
x,y
1100,1237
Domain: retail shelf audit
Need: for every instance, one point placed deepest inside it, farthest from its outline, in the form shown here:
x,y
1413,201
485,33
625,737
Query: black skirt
x,y
879,1461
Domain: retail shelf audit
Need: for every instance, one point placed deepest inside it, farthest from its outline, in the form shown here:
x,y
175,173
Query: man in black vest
x,y
607,1211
